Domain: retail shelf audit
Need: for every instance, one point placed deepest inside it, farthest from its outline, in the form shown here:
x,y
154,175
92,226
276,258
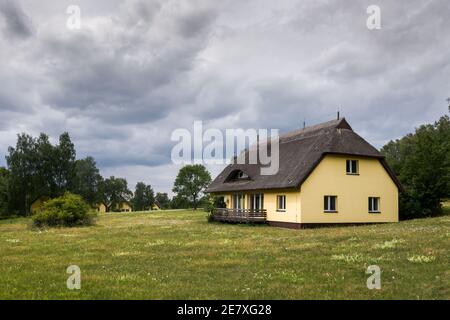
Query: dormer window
x,y
237,175
242,175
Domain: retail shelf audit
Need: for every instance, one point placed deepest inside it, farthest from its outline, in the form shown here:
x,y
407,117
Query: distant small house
x,y
37,204
156,206
327,174
125,206
101,207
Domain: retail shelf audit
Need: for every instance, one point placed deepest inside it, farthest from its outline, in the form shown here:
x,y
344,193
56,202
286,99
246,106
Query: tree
x,y
422,164
180,202
37,168
4,192
115,191
21,162
64,164
191,182
163,200
87,182
143,197
45,161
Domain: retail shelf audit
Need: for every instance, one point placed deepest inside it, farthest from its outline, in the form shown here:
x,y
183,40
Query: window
x,y
330,203
238,201
281,203
242,175
352,167
374,205
236,175
257,201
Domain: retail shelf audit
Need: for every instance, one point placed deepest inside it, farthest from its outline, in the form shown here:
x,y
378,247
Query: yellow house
x,y
124,206
327,175
37,204
156,206
101,207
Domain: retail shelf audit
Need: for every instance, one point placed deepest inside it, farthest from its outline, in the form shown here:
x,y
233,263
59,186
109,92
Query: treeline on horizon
x,y
37,169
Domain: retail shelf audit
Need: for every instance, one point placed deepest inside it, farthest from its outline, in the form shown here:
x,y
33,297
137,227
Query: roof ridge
x,y
336,123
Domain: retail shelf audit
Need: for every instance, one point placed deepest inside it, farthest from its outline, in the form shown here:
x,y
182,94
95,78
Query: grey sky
x,y
137,70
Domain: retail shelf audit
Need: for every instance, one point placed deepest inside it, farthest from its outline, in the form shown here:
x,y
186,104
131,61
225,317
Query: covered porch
x,y
241,208
253,216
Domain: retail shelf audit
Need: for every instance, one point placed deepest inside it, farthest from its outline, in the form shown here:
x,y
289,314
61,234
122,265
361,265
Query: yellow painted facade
x,y
352,191
37,204
329,178
125,207
101,207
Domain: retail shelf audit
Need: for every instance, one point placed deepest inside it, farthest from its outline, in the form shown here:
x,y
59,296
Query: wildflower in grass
x,y
348,258
13,240
126,277
121,254
289,275
156,243
389,244
421,259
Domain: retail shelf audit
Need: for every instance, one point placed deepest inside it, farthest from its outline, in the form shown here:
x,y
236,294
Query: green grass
x,y
178,255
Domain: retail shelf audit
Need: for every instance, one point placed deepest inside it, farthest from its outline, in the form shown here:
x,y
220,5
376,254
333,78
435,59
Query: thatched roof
x,y
300,152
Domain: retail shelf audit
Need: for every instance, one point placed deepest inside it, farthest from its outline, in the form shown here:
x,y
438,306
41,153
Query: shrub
x,y
210,217
209,209
68,210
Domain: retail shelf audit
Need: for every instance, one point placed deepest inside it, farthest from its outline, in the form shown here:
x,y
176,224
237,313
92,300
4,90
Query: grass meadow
x,y
178,255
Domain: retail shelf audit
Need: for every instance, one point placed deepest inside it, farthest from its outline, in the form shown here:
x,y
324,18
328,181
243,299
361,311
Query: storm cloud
x,y
137,70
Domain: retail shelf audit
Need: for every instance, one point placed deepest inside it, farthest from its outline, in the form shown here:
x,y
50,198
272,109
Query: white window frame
x,y
372,201
353,166
240,201
327,207
282,207
253,200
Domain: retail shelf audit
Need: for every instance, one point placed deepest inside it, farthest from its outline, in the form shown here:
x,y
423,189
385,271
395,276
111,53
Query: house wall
x,y
228,199
125,207
352,191
36,205
291,214
101,208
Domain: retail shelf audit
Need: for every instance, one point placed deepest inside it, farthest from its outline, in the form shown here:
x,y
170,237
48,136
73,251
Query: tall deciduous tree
x,y
4,192
115,191
65,164
143,197
422,164
37,168
44,179
191,182
21,162
88,181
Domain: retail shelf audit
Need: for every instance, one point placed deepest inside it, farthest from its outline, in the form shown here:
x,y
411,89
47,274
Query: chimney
x,y
338,115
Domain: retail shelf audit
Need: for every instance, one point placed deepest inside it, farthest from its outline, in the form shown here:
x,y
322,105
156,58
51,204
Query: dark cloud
x,y
134,77
15,23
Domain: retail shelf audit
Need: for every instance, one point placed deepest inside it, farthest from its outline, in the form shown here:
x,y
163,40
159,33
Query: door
x,y
257,201
238,201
